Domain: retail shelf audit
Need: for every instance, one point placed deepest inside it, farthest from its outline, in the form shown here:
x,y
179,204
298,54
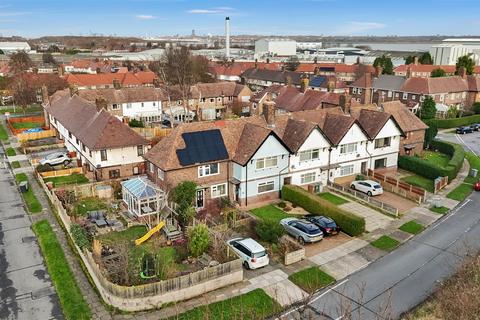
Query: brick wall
x,y
416,138
126,170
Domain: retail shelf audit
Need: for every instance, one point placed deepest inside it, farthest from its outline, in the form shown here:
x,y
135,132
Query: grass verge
x,y
270,213
73,304
461,192
412,227
474,162
311,279
33,205
419,181
336,200
15,164
255,304
74,178
3,133
11,152
439,210
385,243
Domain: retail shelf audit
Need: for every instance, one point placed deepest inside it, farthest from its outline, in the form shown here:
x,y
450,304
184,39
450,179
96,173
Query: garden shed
x,y
142,197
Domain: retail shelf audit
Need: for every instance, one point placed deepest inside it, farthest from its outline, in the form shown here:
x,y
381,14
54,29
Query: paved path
x,y
373,218
25,286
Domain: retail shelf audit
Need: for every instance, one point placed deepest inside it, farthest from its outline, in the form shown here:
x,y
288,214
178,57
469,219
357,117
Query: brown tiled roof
x,y
163,154
474,83
292,99
424,68
125,95
216,89
251,139
125,79
435,85
405,118
370,120
296,132
97,130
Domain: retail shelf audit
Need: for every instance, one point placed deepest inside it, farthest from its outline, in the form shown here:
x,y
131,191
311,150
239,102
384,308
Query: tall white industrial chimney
x,y
227,37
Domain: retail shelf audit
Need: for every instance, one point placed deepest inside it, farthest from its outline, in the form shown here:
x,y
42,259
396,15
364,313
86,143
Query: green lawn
x,y
385,243
254,305
412,227
74,178
26,125
3,133
270,213
336,200
89,204
130,234
19,110
419,181
33,205
11,152
474,162
461,192
439,210
436,158
73,304
15,164
311,279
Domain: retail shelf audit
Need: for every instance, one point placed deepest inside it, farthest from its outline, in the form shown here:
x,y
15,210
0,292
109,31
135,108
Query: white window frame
x,y
359,90
151,167
205,170
267,162
354,90
308,155
383,142
215,192
348,148
308,177
160,174
405,96
350,168
265,184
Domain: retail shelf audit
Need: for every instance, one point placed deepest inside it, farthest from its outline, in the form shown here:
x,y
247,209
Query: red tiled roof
x,y
429,68
337,67
237,68
126,79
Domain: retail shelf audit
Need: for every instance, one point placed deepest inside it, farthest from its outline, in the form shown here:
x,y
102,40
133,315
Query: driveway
x,y
373,218
25,286
404,278
395,200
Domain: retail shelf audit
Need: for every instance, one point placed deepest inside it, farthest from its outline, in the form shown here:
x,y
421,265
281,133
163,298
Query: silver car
x,y
302,230
250,251
56,158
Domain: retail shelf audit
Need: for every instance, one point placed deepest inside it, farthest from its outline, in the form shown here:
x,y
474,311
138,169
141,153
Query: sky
x,y
34,18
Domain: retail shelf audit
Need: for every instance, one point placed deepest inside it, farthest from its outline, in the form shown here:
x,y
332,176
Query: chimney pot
x,y
378,71
116,84
73,90
269,112
101,103
462,72
415,61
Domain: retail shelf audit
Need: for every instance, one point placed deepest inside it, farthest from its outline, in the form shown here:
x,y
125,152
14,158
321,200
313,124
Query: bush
x,y
453,123
269,230
199,240
134,123
429,170
476,107
281,204
350,223
80,236
44,168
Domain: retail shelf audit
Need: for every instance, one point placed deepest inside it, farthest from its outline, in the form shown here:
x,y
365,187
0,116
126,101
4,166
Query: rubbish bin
x,y
437,202
474,173
23,186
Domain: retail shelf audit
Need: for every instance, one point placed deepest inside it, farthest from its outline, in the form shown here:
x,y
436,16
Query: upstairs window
x,y
140,151
267,162
309,155
382,142
103,155
208,170
348,148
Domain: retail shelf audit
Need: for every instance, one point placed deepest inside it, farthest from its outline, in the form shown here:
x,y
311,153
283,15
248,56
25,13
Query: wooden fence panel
x,y
36,135
60,173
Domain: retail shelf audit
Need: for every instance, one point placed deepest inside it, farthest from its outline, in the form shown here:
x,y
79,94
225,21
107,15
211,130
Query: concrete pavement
x,y
25,286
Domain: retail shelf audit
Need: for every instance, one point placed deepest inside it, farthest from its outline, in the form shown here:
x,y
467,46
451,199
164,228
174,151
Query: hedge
x,y
454,122
350,223
429,170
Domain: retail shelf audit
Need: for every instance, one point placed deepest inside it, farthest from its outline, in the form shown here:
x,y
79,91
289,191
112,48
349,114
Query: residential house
x,y
343,72
459,91
104,145
233,71
140,103
88,66
106,80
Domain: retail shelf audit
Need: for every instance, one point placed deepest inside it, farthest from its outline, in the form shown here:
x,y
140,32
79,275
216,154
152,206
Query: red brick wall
x,y
416,138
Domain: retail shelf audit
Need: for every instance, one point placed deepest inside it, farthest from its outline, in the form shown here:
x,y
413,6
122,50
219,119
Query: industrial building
x,y
275,47
448,52
12,47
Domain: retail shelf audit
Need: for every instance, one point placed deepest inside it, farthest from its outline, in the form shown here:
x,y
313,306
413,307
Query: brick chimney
x,y
304,81
367,91
331,85
101,103
116,84
269,113
462,72
415,61
316,71
378,71
345,103
156,82
73,90
45,98
409,72
288,80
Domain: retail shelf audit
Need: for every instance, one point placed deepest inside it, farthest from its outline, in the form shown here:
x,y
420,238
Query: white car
x,y
56,158
252,253
370,187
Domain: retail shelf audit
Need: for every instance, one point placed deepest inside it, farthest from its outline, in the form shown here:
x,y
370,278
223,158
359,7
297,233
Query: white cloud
x,y
215,10
145,17
355,27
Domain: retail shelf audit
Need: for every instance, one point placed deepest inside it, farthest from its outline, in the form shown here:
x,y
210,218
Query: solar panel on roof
x,y
202,146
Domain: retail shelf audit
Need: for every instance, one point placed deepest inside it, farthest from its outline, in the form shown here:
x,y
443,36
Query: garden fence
x,y
399,187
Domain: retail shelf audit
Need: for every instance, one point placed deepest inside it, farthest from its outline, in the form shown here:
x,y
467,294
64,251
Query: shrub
x,y
199,240
282,204
453,123
476,107
134,123
350,223
269,230
44,168
80,236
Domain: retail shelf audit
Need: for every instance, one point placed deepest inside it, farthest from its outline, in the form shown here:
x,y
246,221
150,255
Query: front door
x,y
287,180
200,198
364,167
237,192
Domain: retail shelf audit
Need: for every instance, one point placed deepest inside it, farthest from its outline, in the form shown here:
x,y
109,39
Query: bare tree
x,y
20,62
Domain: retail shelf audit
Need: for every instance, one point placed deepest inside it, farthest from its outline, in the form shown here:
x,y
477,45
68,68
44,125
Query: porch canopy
x,y
142,197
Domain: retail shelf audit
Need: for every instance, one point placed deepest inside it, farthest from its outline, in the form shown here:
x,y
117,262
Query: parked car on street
x,y
56,158
475,126
252,253
302,230
370,187
463,130
327,225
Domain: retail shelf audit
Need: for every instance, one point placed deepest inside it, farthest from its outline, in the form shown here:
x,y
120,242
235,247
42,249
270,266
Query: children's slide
x,y
150,233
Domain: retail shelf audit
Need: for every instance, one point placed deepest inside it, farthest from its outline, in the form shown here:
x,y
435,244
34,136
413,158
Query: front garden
x,y
33,205
311,279
74,178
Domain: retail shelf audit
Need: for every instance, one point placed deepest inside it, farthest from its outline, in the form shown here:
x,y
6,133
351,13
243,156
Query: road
x,y
470,141
26,290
